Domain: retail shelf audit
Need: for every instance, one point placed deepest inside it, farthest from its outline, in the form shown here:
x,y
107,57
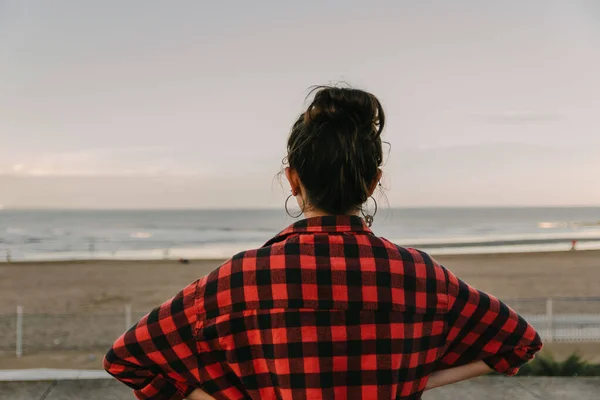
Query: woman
x,y
325,309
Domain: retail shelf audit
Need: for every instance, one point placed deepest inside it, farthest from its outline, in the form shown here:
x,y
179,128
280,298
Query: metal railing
x,y
555,319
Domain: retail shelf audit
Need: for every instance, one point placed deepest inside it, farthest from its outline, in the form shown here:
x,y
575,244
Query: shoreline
x,y
450,256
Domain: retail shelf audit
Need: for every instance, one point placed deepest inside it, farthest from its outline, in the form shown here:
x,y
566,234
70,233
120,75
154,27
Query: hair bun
x,y
331,103
335,148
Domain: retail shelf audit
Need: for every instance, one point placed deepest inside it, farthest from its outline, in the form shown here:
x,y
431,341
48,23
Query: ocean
x,y
216,234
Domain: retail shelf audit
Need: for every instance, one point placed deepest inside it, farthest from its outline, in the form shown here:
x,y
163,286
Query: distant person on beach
x,y
325,309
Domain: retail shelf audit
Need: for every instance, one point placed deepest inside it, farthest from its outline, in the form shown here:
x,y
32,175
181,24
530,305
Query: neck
x,y
317,213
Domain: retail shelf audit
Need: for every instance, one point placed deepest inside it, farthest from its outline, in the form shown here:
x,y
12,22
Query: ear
x,y
293,179
375,182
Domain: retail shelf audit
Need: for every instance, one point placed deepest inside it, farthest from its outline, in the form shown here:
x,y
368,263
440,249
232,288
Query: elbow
x,y
510,360
531,343
537,343
110,364
526,352
535,346
106,364
528,349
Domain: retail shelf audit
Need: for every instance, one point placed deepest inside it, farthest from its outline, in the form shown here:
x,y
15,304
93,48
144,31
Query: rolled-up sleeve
x,y
157,355
481,327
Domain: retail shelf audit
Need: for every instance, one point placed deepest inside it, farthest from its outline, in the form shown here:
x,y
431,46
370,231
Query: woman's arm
x,y
157,355
198,394
482,328
453,375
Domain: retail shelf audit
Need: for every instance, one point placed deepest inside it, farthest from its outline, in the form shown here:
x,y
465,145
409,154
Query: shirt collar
x,y
324,224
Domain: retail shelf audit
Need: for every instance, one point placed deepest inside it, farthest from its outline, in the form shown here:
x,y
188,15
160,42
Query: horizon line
x,y
5,208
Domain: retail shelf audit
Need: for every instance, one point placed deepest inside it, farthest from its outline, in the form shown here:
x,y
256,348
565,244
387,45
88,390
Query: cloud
x,y
128,161
516,118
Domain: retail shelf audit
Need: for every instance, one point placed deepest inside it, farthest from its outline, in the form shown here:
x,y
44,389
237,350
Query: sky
x,y
112,104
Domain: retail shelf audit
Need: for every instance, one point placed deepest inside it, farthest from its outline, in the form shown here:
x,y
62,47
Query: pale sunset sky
x,y
161,104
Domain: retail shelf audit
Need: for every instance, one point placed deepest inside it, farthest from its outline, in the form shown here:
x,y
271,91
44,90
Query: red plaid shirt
x,y
324,310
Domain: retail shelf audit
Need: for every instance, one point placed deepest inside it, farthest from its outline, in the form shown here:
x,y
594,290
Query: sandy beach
x,y
61,299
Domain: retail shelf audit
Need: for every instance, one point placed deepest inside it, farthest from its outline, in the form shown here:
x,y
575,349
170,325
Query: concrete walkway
x,y
51,374
485,388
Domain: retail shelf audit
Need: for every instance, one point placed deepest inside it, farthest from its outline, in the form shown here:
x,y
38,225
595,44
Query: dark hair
x,y
335,147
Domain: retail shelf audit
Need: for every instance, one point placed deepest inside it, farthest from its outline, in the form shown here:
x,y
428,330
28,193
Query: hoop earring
x,y
287,211
369,217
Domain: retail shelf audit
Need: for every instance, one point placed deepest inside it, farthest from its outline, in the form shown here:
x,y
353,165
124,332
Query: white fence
x,y
24,333
563,319
567,328
556,320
